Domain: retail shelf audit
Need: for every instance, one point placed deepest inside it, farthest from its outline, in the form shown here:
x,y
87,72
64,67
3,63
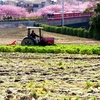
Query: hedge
x,y
80,32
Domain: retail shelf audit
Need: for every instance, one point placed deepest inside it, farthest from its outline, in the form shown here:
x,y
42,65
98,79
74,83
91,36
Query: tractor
x,y
43,41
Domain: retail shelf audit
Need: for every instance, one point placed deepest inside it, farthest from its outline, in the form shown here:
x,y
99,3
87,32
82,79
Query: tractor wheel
x,y
27,41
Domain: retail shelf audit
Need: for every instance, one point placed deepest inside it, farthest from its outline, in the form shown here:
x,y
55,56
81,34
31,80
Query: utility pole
x,y
62,12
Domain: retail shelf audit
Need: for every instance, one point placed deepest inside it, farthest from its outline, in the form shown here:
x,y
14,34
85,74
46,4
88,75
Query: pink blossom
x,y
18,12
10,10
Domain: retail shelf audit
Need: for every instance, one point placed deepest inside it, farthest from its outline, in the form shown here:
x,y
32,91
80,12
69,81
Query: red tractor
x,y
29,41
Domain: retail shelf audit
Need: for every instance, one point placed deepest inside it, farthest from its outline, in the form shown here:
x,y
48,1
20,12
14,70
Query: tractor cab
x,y
29,41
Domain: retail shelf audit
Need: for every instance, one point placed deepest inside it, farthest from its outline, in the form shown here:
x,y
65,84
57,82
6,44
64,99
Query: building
x,y
34,5
31,5
2,2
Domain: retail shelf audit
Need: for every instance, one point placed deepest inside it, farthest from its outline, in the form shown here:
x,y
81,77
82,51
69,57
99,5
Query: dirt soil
x,y
9,35
27,76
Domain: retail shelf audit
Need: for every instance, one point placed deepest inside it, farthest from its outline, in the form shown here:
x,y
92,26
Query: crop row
x,y
71,49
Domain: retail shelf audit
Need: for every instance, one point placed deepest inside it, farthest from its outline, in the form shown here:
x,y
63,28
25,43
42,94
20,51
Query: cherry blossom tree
x,y
18,12
10,10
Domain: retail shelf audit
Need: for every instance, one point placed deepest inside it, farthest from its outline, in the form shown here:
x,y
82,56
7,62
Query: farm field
x,y
9,35
36,76
24,76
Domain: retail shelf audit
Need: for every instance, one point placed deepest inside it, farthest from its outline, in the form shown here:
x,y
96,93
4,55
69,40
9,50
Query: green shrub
x,y
82,32
51,29
86,34
86,51
55,29
31,50
63,30
46,27
6,49
69,31
74,31
95,50
18,49
59,29
91,33
94,30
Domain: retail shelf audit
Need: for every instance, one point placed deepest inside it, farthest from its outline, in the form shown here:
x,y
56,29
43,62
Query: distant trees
x,y
95,23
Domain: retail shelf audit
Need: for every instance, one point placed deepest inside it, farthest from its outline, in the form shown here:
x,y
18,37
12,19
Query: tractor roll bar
x,y
30,27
